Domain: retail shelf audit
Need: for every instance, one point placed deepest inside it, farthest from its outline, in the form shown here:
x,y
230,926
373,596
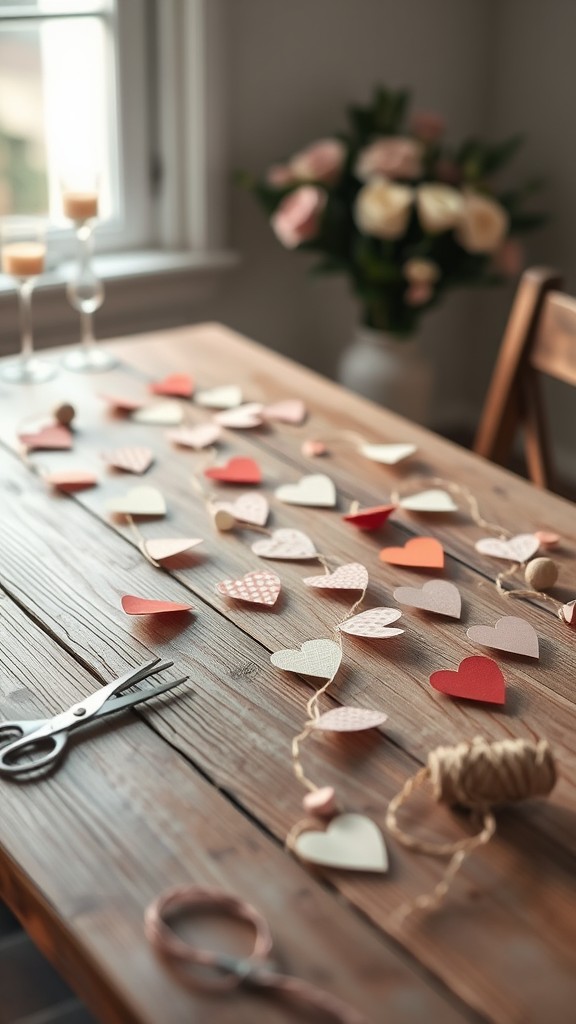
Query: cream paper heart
x,y
248,508
320,658
437,596
316,490
373,624
353,576
388,454
351,841
511,634
286,545
433,500
197,437
227,397
348,719
160,548
161,414
517,549
140,501
241,418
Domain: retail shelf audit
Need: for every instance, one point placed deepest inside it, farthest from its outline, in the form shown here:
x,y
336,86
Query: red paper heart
x,y
236,471
143,606
177,385
370,518
477,678
50,438
419,553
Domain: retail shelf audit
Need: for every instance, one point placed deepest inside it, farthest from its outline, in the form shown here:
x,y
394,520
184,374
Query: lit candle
x,y
23,259
80,205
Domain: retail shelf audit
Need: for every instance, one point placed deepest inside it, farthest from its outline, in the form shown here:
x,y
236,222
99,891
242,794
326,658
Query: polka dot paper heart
x,y
320,658
287,545
351,842
388,454
476,678
177,385
437,596
248,508
347,577
349,720
291,410
255,587
517,549
419,553
49,438
227,397
370,518
144,606
316,490
236,471
131,460
202,436
511,634
140,501
372,624
242,418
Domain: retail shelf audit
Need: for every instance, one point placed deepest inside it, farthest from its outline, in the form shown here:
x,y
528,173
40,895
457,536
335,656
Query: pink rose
x,y
320,161
297,218
391,156
279,176
509,259
427,125
418,294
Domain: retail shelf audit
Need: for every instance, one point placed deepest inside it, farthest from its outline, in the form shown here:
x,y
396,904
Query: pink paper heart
x,y
198,437
131,460
347,577
52,437
123,403
516,549
569,613
255,587
373,624
437,596
70,480
248,508
508,634
349,720
290,410
144,606
286,545
161,548
242,418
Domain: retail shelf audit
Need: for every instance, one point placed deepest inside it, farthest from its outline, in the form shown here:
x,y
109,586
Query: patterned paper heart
x,y
242,418
71,479
349,720
161,548
373,624
123,403
49,438
351,841
236,471
316,490
131,460
388,454
248,508
144,606
517,549
429,501
352,576
202,436
476,678
437,596
370,518
227,397
291,410
255,587
569,613
286,545
140,501
162,414
508,634
319,658
176,385
419,553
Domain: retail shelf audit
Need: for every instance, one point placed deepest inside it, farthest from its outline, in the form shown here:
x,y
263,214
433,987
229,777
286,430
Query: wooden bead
x,y
64,414
541,573
223,521
321,802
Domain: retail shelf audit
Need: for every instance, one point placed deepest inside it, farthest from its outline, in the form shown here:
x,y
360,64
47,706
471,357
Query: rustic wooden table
x,y
200,788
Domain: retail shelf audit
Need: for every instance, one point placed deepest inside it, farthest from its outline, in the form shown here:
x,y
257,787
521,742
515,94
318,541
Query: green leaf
x,y
499,155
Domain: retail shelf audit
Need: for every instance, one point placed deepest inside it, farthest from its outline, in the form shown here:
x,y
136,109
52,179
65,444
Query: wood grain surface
x,y
220,807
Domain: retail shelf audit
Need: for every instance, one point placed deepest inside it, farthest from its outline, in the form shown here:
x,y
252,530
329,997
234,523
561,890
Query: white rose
x,y
439,207
382,208
421,271
483,224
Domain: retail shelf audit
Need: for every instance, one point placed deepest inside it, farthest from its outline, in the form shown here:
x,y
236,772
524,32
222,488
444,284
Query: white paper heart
x,y
248,508
131,460
161,414
198,437
160,548
290,410
437,596
433,500
347,719
286,545
569,613
242,418
511,634
226,397
517,549
353,576
140,501
254,587
351,841
320,658
316,490
388,454
372,624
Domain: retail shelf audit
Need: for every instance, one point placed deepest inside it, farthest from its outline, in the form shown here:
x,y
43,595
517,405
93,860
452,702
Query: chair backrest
x,y
540,337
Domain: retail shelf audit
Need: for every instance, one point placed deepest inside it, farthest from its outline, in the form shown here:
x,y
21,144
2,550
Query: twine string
x,y
459,491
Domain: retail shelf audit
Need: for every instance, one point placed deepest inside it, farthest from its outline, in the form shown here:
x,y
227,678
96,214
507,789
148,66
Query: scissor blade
x,y
90,706
130,699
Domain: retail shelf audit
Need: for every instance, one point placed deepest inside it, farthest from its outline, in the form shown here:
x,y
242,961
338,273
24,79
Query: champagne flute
x,y
23,244
85,290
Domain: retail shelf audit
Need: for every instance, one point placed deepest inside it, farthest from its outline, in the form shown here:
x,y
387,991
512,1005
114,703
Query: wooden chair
x,y
540,337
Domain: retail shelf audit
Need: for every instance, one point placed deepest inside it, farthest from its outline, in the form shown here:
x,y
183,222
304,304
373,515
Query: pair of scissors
x,y
54,732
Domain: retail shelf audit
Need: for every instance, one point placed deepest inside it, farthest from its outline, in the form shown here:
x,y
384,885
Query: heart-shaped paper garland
x,y
139,501
316,491
226,397
290,410
130,460
236,471
510,634
516,549
348,719
476,678
161,414
433,500
438,596
255,587
319,658
133,605
161,548
176,385
49,438
351,841
372,624
242,418
201,436
248,508
352,576
418,553
370,518
286,545
70,480
387,454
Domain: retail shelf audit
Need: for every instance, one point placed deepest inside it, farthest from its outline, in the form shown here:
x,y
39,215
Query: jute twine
x,y
477,775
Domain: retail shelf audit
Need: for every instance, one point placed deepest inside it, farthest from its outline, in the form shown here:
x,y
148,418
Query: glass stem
x,y
25,286
85,248
87,329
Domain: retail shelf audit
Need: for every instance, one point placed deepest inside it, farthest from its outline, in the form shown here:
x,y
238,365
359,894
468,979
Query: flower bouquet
x,y
405,215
